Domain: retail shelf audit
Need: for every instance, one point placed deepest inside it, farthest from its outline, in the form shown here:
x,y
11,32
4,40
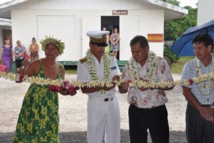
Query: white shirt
x,y
84,76
204,96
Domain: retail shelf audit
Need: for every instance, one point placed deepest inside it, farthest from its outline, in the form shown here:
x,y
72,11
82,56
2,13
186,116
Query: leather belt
x,y
108,99
212,106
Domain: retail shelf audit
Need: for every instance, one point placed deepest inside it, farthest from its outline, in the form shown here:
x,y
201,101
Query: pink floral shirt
x,y
148,98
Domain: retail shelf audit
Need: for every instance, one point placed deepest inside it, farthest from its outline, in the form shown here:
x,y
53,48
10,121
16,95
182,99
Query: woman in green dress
x,y
38,120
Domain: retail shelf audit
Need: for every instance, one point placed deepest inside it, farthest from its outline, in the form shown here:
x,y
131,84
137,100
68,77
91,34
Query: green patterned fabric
x,y
38,120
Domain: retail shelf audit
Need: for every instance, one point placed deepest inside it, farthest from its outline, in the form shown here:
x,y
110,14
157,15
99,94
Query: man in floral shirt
x,y
147,109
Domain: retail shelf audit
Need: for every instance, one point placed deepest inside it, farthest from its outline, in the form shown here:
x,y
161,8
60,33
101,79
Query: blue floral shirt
x,y
18,51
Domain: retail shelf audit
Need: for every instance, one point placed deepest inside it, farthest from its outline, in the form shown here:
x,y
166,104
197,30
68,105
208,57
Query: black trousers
x,y
198,130
155,120
19,63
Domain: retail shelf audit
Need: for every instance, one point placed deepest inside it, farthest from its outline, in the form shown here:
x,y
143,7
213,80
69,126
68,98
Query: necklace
x,y
152,58
92,67
202,86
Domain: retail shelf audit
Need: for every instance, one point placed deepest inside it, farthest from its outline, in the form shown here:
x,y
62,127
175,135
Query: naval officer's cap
x,y
98,37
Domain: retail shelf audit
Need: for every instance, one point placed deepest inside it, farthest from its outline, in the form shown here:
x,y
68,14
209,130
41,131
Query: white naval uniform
x,y
103,116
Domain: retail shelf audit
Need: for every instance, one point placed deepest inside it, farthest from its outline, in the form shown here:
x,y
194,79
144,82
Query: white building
x,y
69,20
205,11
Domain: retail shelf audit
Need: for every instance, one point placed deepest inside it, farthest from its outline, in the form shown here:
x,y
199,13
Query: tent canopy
x,y
183,46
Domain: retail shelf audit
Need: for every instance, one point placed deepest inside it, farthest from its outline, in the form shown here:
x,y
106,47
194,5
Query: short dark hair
x,y
141,40
33,38
99,44
205,38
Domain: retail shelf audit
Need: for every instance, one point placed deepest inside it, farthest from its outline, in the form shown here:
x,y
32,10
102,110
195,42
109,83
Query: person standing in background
x,y
34,49
114,39
107,48
19,53
7,55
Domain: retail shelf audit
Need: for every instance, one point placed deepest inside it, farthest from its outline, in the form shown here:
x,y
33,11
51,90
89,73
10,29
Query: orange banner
x,y
155,37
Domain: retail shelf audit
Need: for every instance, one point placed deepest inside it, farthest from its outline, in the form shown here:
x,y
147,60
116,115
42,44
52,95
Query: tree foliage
x,y
174,2
174,28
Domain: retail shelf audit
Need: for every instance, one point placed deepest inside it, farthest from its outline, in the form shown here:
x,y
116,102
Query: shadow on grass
x,y
80,137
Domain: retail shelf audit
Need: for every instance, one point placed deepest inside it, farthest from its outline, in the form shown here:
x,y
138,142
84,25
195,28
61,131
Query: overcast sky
x,y
191,3
2,1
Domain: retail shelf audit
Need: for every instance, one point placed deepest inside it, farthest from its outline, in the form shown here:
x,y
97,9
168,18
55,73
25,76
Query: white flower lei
x,y
42,81
92,68
107,76
134,72
202,85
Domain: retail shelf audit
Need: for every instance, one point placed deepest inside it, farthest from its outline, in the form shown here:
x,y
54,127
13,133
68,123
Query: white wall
x,y
24,26
37,23
32,23
61,27
152,22
141,22
205,11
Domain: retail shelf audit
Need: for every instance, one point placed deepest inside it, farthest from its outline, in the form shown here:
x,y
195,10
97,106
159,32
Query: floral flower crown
x,y
50,39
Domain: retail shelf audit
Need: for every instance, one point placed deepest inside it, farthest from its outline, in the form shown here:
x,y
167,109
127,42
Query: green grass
x,y
178,66
69,71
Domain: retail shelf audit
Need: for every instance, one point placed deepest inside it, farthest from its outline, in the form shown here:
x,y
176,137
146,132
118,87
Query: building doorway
x,y
111,23
7,35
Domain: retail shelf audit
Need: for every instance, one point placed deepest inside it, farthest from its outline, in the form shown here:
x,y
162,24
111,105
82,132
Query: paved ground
x,y
73,116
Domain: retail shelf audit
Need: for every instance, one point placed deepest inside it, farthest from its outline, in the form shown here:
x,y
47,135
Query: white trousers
x,y
103,121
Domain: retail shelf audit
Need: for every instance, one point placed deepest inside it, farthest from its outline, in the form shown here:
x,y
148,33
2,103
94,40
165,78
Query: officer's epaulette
x,y
83,60
111,54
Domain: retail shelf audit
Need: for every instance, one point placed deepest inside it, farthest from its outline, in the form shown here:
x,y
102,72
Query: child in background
x,y
2,67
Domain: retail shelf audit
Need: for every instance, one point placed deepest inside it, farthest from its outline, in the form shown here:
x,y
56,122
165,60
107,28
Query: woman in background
x,y
19,53
114,39
34,50
107,48
7,55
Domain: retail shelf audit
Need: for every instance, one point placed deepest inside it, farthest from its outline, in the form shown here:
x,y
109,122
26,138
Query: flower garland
x,y
93,73
163,84
201,86
152,65
65,86
92,68
134,72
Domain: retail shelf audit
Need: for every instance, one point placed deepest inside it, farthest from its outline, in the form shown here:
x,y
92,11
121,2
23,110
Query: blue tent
x,y
183,46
